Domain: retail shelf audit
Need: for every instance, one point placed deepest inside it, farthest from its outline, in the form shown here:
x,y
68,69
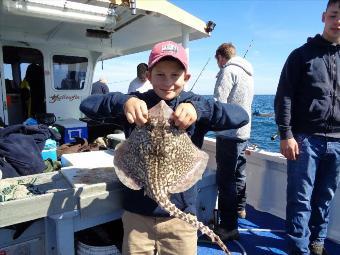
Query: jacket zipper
x,y
333,75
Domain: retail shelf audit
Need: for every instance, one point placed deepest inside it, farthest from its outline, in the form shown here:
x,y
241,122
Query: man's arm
x,y
105,89
224,84
131,86
283,103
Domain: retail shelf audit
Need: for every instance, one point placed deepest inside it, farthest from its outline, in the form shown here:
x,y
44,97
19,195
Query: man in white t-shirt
x,y
140,83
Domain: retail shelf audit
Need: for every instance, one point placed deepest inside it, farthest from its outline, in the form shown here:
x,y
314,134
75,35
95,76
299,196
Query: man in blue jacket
x,y
148,228
307,109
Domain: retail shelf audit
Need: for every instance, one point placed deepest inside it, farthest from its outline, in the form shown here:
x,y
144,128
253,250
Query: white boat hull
x,y
266,185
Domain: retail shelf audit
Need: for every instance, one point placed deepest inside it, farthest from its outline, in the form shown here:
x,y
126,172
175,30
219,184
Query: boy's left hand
x,y
184,115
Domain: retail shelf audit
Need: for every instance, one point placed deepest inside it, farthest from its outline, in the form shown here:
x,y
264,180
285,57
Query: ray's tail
x,y
168,206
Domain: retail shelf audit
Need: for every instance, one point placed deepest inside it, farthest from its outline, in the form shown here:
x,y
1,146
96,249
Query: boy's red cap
x,y
168,48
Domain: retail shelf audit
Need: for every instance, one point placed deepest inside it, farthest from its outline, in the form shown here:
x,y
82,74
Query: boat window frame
x,y
69,54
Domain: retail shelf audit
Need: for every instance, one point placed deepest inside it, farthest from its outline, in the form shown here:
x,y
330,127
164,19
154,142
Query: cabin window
x,y
69,72
23,70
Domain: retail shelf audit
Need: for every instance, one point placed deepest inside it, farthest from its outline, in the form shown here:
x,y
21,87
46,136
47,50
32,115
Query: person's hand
x,y
136,111
184,115
289,148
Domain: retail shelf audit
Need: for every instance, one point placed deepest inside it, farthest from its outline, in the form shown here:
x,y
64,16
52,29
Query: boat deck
x,y
260,234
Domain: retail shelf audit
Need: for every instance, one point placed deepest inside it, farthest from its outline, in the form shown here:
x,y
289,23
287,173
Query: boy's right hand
x,y
136,111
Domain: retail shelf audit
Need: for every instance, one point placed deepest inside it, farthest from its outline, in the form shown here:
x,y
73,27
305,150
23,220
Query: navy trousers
x,y
231,180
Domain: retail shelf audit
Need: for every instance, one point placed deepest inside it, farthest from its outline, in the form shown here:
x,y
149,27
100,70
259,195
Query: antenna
x,y
250,44
200,74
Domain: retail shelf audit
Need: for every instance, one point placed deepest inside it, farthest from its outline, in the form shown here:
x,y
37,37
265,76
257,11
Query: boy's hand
x,y
184,115
136,111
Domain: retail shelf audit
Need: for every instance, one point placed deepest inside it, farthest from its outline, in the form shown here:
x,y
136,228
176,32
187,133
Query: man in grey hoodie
x,y
235,84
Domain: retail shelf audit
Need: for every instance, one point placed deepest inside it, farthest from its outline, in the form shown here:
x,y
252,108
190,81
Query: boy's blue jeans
x,y
231,180
312,180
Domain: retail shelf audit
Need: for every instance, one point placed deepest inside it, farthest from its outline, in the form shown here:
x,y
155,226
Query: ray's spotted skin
x,y
163,160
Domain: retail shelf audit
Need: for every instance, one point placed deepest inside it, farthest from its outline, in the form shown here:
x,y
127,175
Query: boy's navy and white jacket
x,y
212,115
308,95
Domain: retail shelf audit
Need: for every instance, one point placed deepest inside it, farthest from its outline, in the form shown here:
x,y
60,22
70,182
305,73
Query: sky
x,y
268,29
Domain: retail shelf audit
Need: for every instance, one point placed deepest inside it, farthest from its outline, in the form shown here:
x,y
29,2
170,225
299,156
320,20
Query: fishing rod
x,y
274,136
200,74
250,45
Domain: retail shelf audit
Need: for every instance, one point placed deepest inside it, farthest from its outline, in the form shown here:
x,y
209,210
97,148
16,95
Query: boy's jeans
x,y
231,180
312,180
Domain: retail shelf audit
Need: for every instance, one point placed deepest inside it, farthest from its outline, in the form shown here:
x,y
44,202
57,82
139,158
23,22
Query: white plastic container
x,y
84,249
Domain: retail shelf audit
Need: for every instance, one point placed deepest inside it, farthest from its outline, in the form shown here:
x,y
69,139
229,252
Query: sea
x,y
263,128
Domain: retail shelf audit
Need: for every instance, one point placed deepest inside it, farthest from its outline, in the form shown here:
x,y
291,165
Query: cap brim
x,y
156,60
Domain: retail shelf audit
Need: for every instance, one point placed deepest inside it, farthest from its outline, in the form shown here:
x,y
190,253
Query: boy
x,y
147,228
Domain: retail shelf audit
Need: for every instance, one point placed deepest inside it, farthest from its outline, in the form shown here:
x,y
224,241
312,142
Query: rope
x,y
243,250
241,247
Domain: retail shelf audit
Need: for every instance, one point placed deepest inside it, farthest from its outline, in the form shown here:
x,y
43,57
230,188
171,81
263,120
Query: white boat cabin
x,y
54,46
57,44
